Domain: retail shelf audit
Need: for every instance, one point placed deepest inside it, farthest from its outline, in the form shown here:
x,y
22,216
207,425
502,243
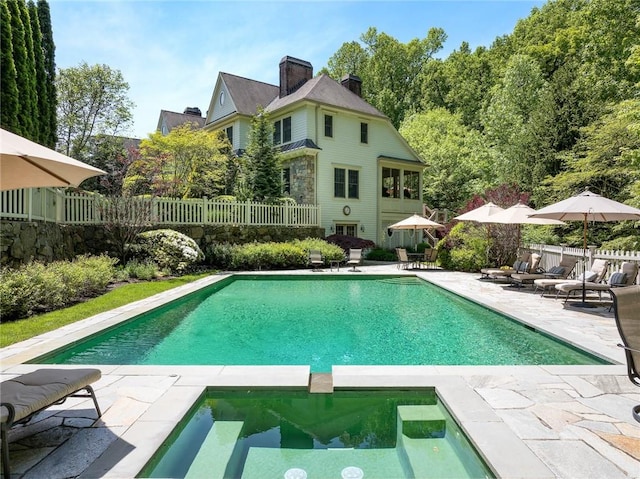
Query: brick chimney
x,y
352,83
192,110
293,74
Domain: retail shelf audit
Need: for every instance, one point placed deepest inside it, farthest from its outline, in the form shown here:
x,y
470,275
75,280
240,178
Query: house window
x,y
347,229
328,126
286,181
411,185
390,183
339,182
342,189
282,131
353,184
229,132
277,126
364,133
286,129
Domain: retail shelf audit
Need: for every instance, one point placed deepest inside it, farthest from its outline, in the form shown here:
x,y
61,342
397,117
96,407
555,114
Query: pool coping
x,y
505,453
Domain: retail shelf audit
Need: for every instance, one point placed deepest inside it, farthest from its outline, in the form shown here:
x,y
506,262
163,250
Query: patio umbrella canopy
x,y
482,214
518,214
587,206
25,164
415,222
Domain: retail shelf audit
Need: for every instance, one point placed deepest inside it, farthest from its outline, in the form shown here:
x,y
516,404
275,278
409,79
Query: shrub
x,y
144,270
463,249
347,242
266,256
625,243
35,287
380,254
172,251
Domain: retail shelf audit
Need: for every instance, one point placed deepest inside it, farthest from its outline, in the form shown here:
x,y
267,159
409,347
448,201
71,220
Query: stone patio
x,y
526,421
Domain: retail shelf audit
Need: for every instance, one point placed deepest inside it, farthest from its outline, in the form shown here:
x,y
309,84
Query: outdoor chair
x,y
598,269
625,277
521,265
430,257
315,259
403,258
537,278
626,305
595,274
355,258
24,396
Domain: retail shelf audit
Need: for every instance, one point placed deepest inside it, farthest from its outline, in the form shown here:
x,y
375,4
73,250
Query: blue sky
x,y
170,51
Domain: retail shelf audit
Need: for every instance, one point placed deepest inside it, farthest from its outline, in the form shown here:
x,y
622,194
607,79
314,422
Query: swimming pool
x,y
321,321
294,434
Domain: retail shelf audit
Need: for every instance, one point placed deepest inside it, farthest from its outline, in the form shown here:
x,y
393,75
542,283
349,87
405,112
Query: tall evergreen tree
x,y
263,161
40,115
9,90
49,136
20,58
30,108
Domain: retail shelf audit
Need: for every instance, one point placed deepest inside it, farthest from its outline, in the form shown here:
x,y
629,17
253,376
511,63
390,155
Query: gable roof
x,y
173,119
248,94
324,89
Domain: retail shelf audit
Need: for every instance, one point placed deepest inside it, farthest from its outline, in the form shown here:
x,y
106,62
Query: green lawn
x,y
16,331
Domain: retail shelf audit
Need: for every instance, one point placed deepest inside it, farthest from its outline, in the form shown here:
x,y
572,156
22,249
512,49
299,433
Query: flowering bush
x,y
173,252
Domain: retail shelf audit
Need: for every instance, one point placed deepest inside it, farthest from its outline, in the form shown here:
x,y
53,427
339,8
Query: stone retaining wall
x,y
23,241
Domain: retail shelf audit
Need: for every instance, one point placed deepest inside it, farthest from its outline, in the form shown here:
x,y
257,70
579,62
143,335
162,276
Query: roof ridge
x,y
248,79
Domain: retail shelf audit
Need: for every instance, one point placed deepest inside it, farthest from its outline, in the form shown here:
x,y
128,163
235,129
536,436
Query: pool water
x,y
333,320
294,434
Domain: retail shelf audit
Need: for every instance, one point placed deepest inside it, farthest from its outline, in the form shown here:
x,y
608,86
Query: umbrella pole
x,y
584,303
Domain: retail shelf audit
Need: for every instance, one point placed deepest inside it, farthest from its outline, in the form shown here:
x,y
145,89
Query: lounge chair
x,y
625,277
403,258
355,258
519,266
626,305
549,283
315,258
561,271
24,396
595,274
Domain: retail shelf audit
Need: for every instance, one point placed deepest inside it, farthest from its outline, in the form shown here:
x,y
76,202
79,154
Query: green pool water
x,y
321,321
293,434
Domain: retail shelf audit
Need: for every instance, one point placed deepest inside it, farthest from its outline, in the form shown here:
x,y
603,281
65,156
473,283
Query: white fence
x,y
551,256
47,204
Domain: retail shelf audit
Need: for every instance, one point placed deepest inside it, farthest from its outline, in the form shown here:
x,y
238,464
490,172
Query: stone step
x,y
215,451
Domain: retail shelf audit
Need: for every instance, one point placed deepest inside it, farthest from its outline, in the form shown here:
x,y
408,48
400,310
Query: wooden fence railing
x,y
47,204
551,256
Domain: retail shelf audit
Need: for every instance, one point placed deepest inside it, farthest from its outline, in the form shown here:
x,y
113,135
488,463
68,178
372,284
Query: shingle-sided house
x,y
339,151
170,119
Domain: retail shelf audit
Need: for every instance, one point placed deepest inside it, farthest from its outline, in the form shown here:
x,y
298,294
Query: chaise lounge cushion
x,y
34,391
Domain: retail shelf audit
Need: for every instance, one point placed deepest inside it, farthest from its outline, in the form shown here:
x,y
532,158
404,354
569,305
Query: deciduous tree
x,y
92,100
186,163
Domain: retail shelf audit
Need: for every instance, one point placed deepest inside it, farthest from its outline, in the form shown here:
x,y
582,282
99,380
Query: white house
x,y
340,152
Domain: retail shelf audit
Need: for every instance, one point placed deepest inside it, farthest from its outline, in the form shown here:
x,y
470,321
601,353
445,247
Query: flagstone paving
x,y
527,421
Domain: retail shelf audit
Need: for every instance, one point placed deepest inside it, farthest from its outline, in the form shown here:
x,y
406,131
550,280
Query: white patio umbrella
x,y
25,164
519,214
587,206
415,223
482,214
